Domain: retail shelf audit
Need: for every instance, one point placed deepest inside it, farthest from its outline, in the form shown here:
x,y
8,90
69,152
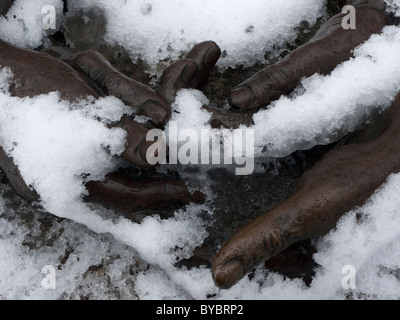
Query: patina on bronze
x,y
130,195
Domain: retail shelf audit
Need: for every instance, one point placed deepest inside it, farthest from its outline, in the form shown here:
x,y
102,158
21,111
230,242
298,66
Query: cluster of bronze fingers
x,y
77,75
193,71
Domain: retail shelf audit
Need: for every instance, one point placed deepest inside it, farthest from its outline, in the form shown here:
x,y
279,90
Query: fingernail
x,y
242,97
188,72
226,275
212,55
205,53
157,112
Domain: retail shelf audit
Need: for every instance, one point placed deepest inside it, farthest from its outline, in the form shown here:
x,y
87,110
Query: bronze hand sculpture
x,y
90,74
343,179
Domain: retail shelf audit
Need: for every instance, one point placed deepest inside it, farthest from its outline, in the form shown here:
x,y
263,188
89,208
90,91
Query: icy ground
x,y
99,255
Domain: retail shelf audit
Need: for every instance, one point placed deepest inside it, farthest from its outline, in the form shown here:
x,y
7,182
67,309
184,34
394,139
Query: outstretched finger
x,y
144,100
130,195
259,240
329,47
260,89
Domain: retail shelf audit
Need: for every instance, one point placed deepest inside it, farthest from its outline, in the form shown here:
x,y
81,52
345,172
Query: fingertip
x,y
14,176
136,145
205,54
158,111
227,274
189,71
242,97
213,54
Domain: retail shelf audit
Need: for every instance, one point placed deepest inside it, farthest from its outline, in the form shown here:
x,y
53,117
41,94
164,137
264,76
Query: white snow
x,y
69,247
57,144
156,29
394,6
22,26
